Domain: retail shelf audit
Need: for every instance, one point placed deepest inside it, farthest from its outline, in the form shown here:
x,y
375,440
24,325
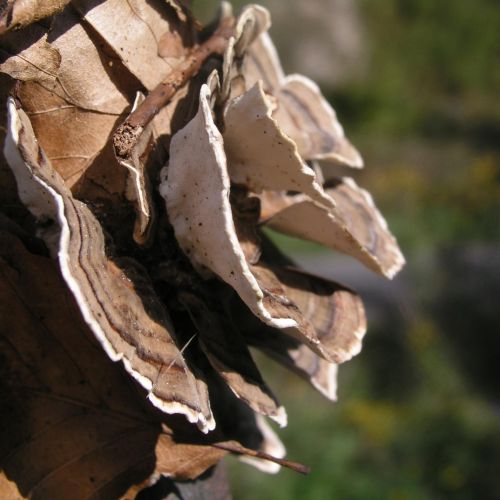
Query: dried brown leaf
x,y
19,13
151,29
26,55
188,461
72,425
84,143
70,61
74,114
8,488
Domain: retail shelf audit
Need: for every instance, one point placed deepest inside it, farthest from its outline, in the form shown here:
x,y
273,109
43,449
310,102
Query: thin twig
x,y
127,134
235,447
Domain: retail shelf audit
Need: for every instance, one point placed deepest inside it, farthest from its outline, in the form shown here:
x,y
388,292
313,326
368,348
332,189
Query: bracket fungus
x,y
131,327
354,226
303,114
148,161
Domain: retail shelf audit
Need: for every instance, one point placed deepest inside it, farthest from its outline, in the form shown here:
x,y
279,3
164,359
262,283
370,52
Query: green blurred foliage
x,y
428,207
433,70
418,415
407,426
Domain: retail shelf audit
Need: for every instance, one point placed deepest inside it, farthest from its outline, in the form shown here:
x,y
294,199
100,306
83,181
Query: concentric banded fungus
x,y
245,148
260,156
334,339
196,190
252,22
228,353
354,226
332,324
298,358
302,111
131,328
335,312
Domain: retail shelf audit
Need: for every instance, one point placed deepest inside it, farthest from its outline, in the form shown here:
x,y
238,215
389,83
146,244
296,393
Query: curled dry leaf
x,y
81,99
93,86
67,61
85,76
82,152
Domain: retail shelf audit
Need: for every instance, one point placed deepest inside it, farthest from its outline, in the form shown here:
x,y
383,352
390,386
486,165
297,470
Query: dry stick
x,y
238,449
235,447
127,134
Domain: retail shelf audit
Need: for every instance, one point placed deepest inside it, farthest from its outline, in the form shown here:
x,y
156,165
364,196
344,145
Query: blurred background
x,y
416,85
